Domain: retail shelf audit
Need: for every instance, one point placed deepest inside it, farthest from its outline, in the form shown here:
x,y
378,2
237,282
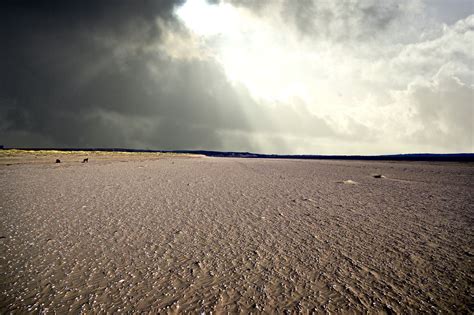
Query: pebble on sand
x,y
58,161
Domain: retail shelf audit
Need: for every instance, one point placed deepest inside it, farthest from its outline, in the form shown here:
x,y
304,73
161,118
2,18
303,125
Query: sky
x,y
278,76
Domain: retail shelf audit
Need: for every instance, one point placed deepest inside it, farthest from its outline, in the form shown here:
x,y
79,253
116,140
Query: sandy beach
x,y
176,235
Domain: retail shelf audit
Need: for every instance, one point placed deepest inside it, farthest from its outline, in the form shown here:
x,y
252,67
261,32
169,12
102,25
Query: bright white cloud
x,y
381,77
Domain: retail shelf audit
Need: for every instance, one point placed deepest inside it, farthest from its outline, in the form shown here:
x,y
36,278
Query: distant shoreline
x,y
435,157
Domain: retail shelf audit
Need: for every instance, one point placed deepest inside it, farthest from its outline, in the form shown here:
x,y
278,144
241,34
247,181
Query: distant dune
x,y
47,156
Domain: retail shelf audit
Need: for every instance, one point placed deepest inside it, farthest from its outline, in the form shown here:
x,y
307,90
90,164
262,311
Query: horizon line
x,y
417,156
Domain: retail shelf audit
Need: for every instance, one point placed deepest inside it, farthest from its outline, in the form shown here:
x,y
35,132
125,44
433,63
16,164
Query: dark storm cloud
x,y
81,74
89,15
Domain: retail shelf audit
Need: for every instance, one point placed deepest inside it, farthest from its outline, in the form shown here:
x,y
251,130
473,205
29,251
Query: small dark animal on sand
x,y
86,160
58,161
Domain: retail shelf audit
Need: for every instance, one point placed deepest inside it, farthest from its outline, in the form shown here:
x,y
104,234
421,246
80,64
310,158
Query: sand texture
x,y
179,235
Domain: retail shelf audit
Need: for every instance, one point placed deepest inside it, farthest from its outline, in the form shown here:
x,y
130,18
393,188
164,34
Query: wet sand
x,y
236,235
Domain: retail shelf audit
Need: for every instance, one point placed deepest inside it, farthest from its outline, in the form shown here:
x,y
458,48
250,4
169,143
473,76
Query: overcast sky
x,y
282,76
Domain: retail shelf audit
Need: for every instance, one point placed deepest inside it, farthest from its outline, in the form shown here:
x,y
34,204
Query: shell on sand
x,y
349,182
